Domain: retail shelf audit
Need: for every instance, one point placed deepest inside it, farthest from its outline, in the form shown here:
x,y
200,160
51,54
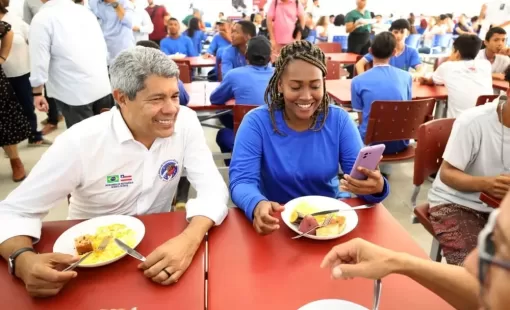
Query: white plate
x,y
322,204
65,243
177,56
332,304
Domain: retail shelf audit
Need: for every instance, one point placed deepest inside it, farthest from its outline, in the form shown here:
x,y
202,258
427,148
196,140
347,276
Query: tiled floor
x,y
398,203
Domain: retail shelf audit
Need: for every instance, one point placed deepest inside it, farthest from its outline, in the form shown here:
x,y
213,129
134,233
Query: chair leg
x,y
435,251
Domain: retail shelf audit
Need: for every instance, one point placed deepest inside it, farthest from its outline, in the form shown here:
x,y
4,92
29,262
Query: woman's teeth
x,y
164,122
304,106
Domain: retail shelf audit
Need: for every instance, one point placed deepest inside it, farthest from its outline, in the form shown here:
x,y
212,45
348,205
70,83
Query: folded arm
x,y
224,92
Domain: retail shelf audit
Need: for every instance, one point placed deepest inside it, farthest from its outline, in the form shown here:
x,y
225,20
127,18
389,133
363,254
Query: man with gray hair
x,y
125,161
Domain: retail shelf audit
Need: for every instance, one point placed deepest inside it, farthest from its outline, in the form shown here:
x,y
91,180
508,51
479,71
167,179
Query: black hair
x,y
193,26
474,19
449,15
248,27
442,17
3,8
252,17
493,31
400,24
383,45
339,20
173,19
331,15
243,15
372,15
148,43
468,46
507,74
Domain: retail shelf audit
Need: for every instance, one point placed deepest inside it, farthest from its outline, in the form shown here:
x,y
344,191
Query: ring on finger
x,y
167,273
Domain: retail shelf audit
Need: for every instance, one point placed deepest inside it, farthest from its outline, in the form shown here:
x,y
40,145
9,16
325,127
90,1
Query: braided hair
x,y
313,55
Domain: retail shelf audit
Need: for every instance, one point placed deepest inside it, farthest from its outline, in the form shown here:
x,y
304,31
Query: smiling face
x,y
152,113
495,289
302,87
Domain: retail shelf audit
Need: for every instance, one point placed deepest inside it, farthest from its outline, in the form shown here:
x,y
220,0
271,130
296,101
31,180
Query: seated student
x,y
176,42
476,159
292,146
495,41
246,85
234,56
196,35
482,282
135,139
405,57
183,94
465,77
220,40
382,82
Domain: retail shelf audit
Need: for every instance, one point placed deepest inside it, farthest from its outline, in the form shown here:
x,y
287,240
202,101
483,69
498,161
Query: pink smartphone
x,y
369,158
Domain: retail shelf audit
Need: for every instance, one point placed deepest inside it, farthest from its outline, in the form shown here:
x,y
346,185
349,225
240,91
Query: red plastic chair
x,y
184,70
332,47
433,137
239,112
485,98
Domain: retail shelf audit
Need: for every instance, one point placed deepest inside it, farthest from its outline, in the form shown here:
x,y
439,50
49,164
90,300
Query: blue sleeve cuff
x,y
252,204
376,198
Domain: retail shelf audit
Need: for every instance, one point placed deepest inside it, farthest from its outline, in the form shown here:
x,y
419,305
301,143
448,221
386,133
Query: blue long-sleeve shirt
x,y
197,39
268,166
217,43
409,58
181,45
183,94
380,83
246,85
231,58
118,34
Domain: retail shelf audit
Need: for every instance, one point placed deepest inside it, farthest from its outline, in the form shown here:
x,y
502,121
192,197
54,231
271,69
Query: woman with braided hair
x,y
292,146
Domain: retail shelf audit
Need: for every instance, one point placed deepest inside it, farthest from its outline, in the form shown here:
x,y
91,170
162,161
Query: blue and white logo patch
x,y
168,170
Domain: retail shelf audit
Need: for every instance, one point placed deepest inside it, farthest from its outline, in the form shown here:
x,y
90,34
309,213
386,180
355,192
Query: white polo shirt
x,y
465,81
108,172
500,64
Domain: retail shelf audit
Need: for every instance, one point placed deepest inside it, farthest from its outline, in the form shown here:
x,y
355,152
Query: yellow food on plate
x,y
112,251
336,226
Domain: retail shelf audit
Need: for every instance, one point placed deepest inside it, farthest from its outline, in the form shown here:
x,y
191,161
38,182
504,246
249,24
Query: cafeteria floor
x,y
398,203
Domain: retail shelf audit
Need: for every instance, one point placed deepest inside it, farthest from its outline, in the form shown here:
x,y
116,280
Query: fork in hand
x,y
101,248
326,222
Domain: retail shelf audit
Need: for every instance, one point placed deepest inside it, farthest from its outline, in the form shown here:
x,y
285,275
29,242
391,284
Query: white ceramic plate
x,y
177,56
332,304
322,204
65,242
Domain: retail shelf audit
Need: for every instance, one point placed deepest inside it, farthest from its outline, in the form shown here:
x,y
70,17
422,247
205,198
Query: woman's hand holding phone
x,y
374,183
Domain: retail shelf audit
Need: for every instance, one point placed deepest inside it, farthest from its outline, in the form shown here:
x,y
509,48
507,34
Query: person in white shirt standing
x,y
465,77
125,161
68,53
17,69
142,23
495,41
494,14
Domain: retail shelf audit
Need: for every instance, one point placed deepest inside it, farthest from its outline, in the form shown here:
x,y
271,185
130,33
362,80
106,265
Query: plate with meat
x,y
299,216
87,236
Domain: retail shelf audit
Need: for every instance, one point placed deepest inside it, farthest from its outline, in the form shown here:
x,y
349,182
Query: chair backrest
x,y
184,70
239,111
442,40
485,98
439,61
342,40
432,139
333,68
331,47
413,40
397,120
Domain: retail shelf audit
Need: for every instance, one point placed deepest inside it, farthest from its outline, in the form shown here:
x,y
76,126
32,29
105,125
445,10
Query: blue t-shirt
x,y
231,58
246,85
380,83
183,94
409,58
268,166
181,45
217,42
197,39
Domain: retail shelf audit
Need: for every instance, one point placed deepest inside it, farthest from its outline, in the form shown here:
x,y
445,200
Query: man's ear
x,y
120,98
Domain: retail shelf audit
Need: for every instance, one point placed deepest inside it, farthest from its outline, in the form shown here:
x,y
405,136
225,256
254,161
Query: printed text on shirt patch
x,y
168,170
118,180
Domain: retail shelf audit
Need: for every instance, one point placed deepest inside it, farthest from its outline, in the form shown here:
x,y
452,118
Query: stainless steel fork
x,y
102,246
326,222
377,294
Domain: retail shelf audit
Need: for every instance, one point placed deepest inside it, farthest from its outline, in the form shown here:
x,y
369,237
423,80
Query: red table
x,y
501,85
119,285
200,62
490,201
200,94
251,272
340,91
343,58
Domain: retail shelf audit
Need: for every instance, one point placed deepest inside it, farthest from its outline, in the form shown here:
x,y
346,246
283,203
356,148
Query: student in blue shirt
x,y
405,57
382,82
233,56
196,35
175,42
220,40
183,94
292,146
246,85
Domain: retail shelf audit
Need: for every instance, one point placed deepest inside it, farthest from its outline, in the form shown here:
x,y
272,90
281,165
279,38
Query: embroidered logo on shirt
x,y
118,180
168,170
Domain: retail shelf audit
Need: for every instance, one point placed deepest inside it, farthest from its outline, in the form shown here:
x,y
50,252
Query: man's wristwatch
x,y
12,259
114,5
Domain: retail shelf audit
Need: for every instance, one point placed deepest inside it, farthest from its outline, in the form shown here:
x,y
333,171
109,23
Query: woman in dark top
x,y
196,35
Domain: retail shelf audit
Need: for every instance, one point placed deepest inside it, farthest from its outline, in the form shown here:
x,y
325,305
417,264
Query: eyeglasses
x,y
487,251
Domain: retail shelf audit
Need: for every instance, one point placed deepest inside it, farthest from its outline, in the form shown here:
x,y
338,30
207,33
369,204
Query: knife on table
x,y
341,210
129,250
